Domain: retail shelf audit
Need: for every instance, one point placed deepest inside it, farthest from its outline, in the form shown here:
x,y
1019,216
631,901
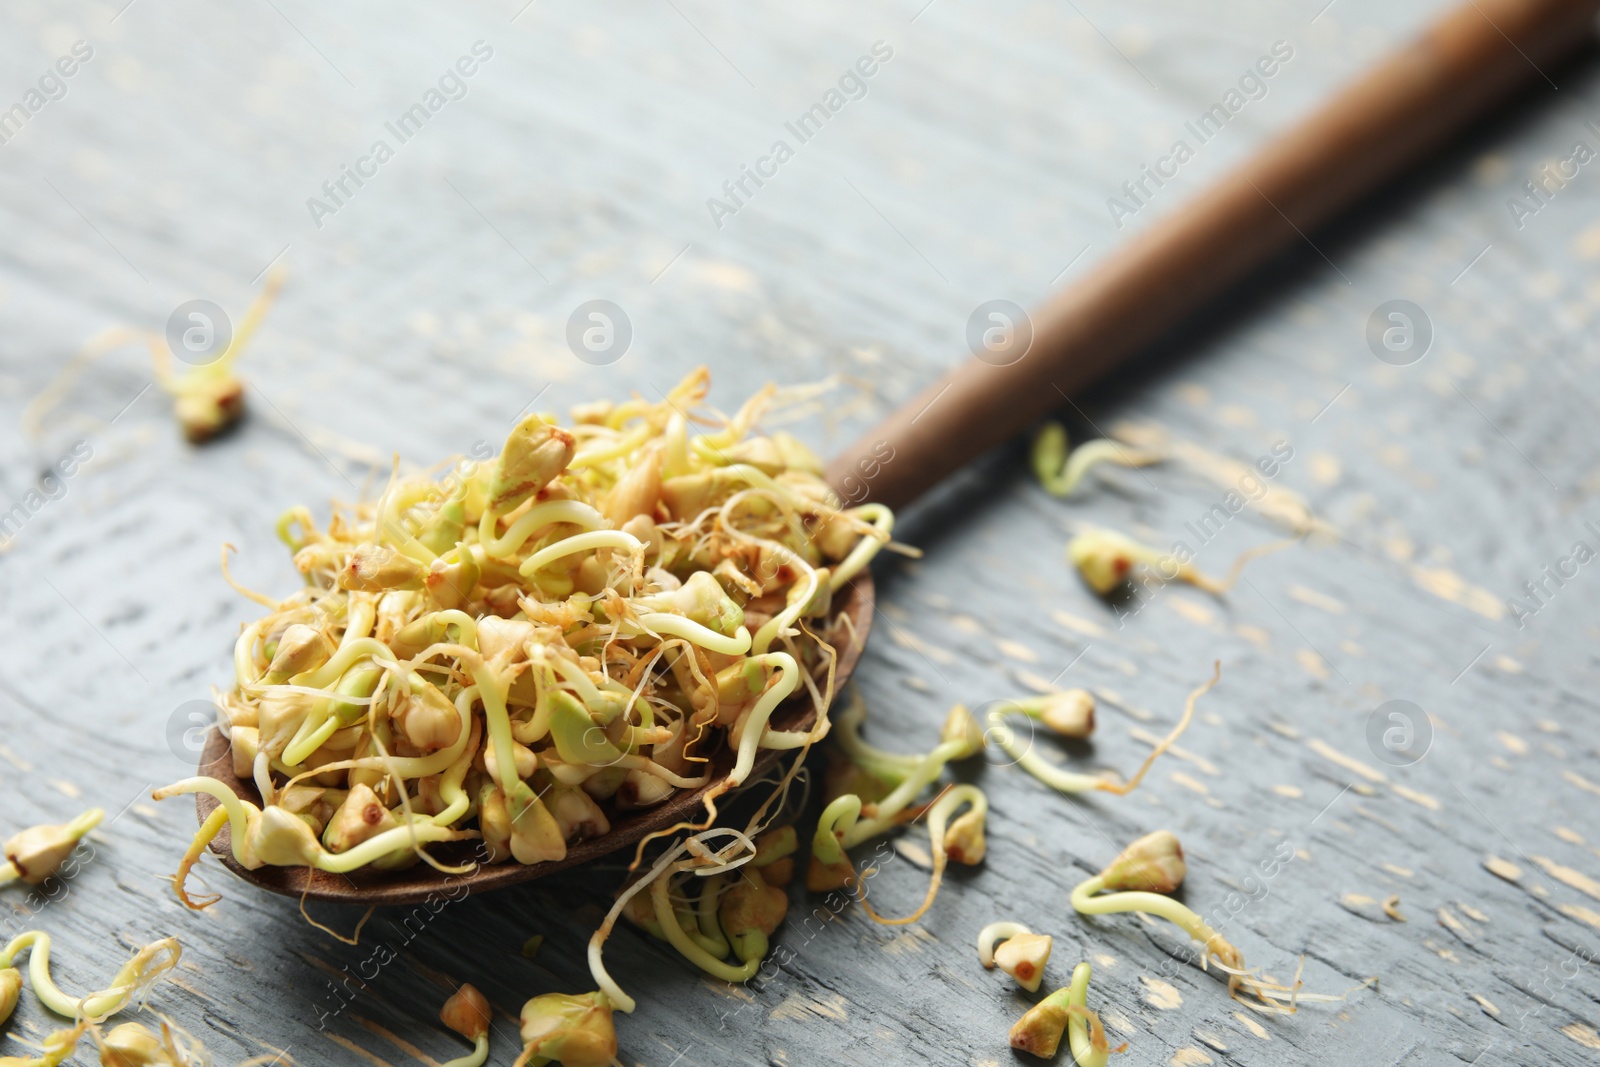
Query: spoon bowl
x,y
421,882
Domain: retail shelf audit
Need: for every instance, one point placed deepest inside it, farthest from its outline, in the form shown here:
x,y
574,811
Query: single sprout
x,y
1021,953
1391,908
1066,1010
964,839
574,1030
1023,957
743,929
1068,714
208,399
1060,473
134,1045
737,918
468,1013
360,818
53,1050
1154,864
38,852
535,453
961,840
1106,559
301,648
379,568
531,947
1140,876
963,730
10,989
132,979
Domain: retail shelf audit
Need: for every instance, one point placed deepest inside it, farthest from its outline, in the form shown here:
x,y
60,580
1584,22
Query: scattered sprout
x,y
963,730
1069,713
1039,1031
132,1045
697,924
1021,953
1069,710
1153,866
10,990
208,399
574,1030
734,913
133,979
468,1013
1023,957
38,852
1106,559
1060,473
53,1050
135,1045
850,819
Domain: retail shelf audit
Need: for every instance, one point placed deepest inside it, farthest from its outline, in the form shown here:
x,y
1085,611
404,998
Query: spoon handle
x,y
1473,58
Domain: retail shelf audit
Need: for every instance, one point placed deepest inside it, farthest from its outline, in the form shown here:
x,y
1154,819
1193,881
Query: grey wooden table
x,y
428,305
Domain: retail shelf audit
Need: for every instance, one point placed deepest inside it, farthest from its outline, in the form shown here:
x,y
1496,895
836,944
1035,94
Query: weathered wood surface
x,y
431,309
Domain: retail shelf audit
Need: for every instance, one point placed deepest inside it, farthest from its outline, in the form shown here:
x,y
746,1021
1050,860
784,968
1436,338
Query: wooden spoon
x,y
1468,62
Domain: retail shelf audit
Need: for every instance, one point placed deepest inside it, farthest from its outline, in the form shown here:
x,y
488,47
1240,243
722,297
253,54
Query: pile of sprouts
x,y
522,649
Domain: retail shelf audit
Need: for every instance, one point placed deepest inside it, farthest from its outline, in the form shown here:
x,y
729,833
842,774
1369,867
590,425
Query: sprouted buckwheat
x,y
132,979
1066,1010
522,652
1060,472
1107,559
1139,879
1021,953
207,399
1071,714
34,854
877,793
468,1013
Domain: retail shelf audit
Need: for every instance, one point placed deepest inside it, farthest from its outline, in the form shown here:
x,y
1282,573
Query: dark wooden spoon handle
x,y
1471,59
